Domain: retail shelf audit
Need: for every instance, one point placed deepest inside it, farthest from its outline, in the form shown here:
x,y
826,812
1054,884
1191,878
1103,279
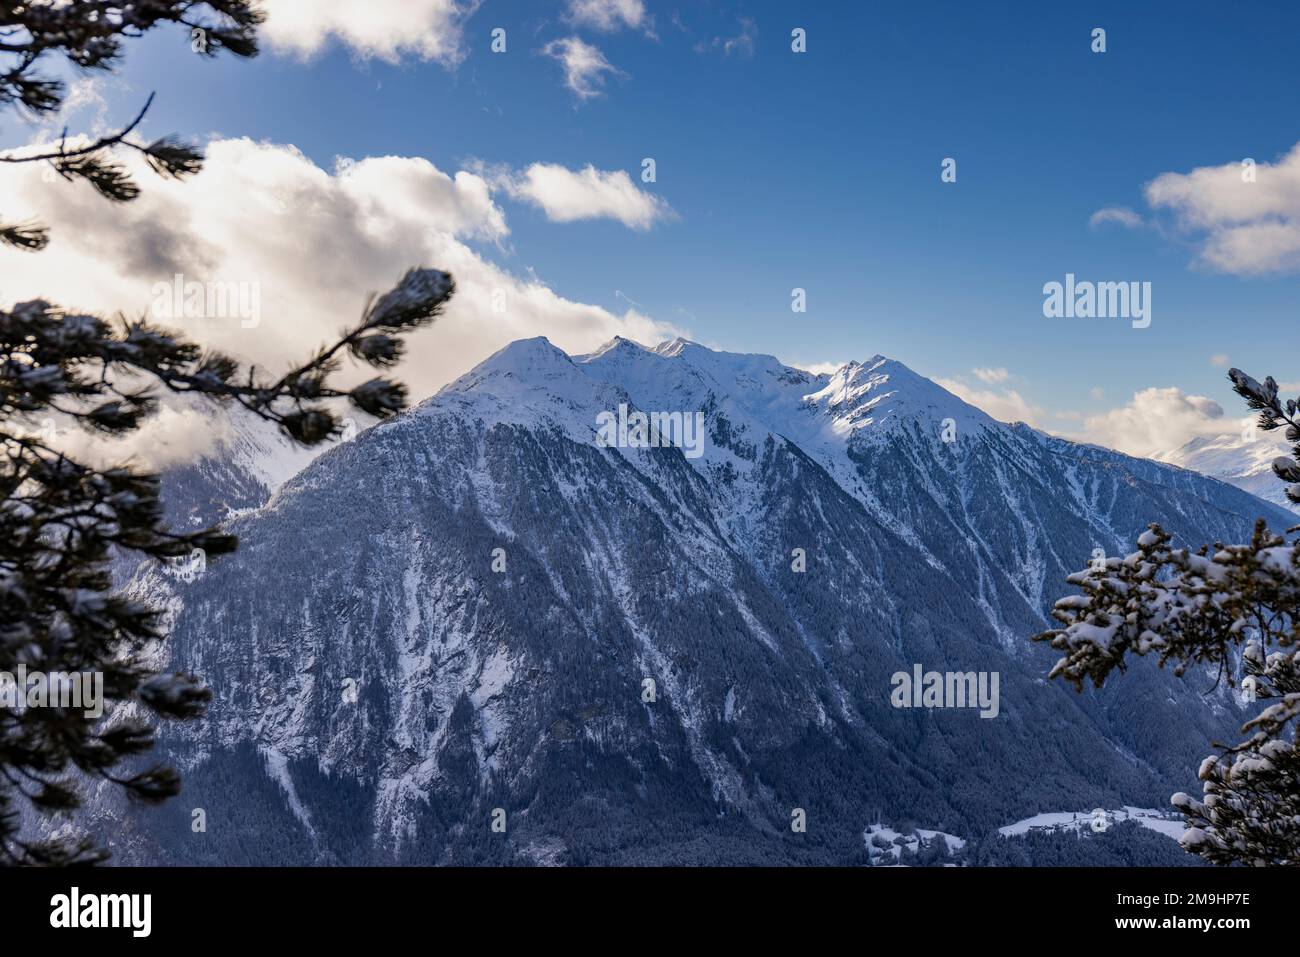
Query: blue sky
x,y
821,171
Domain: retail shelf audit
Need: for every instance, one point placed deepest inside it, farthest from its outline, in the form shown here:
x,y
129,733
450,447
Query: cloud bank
x,y
1245,217
1157,421
310,243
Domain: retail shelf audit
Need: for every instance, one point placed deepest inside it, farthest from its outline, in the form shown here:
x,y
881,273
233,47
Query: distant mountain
x,y
484,613
1243,462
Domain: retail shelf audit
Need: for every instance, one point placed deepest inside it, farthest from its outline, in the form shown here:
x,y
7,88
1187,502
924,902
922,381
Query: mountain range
x,y
480,633
1245,461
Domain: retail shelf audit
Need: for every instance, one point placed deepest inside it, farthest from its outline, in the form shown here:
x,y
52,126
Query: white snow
x,y
833,418
898,841
1163,822
1242,460
279,766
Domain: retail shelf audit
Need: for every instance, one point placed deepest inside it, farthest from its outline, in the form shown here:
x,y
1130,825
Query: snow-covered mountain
x,y
1244,462
482,632
247,464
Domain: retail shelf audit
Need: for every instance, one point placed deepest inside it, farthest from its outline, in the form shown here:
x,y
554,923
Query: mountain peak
x,y
538,348
615,347
515,374
882,391
675,347
523,357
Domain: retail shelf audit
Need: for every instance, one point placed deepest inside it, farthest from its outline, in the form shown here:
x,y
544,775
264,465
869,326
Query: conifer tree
x,y
1235,608
62,520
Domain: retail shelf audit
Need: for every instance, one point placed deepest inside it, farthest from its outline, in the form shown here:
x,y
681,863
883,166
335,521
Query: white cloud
x,y
84,108
742,44
84,92
584,66
816,368
311,243
608,15
1005,405
1155,421
1219,359
567,195
1097,392
1120,215
1246,228
991,376
175,434
386,29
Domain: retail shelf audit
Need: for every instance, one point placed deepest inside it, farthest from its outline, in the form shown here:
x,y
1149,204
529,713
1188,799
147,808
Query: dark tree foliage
x,y
1231,607
61,521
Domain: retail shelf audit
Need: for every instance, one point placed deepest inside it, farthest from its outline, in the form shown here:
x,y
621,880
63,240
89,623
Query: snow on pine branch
x,y
1192,608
